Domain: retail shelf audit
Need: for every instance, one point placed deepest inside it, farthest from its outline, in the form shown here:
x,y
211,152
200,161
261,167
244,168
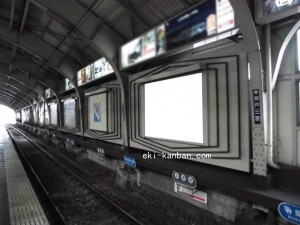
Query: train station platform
x,y
19,204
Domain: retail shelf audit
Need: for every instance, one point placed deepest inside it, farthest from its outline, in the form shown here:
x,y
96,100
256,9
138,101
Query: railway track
x,y
76,202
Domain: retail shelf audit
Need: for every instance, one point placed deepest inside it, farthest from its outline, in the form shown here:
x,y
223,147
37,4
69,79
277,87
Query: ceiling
x,y
42,42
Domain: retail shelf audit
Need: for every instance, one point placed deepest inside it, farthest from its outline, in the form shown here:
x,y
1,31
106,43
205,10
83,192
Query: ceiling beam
x,y
39,48
122,15
55,33
15,93
19,83
12,96
14,102
11,101
132,13
20,90
7,99
25,13
22,83
12,14
102,20
87,27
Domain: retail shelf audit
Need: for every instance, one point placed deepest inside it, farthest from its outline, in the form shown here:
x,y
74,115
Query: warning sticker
x,y
191,193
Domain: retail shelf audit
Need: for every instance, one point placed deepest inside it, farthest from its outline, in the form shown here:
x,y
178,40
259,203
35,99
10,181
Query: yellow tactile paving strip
x,y
24,207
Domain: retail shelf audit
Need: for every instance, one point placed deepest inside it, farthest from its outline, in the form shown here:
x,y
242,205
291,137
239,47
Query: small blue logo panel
x,y
97,112
289,212
129,161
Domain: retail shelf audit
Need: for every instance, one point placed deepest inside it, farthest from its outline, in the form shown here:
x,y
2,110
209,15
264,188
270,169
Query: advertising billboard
x,y
101,68
191,26
94,71
70,113
53,114
41,113
225,16
97,111
160,39
68,85
49,93
268,11
274,6
208,18
139,49
46,114
174,109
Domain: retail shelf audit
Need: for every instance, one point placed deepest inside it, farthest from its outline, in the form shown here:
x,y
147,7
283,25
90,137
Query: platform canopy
x,y
43,42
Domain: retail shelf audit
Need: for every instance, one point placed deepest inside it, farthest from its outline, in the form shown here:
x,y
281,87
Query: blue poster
x,y
97,112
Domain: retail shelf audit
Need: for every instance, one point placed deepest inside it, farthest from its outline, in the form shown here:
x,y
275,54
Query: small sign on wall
x,y
129,161
195,194
256,107
289,212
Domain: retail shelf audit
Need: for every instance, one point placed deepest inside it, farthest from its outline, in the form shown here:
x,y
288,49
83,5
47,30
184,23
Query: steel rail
x,y
132,218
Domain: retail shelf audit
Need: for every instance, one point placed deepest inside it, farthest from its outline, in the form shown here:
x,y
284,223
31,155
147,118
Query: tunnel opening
x,y
7,115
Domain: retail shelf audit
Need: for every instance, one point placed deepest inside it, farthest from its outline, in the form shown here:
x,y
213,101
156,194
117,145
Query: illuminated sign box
x,y
49,93
70,113
94,71
143,47
208,18
41,113
68,84
97,112
268,11
53,114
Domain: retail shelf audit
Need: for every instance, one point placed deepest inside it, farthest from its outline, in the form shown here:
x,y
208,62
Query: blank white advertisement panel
x,y
70,113
53,114
41,114
98,112
174,109
46,114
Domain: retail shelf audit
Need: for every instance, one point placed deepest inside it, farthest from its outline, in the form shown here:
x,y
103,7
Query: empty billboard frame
x,y
171,110
174,109
54,114
41,106
225,112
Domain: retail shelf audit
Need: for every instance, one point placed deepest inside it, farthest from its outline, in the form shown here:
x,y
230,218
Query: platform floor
x,y
19,204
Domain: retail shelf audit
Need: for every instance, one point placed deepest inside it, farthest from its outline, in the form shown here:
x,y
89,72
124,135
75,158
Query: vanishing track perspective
x,y
75,200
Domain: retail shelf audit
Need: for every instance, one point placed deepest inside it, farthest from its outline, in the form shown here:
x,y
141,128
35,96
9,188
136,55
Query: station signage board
x,y
289,212
129,161
256,107
206,19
